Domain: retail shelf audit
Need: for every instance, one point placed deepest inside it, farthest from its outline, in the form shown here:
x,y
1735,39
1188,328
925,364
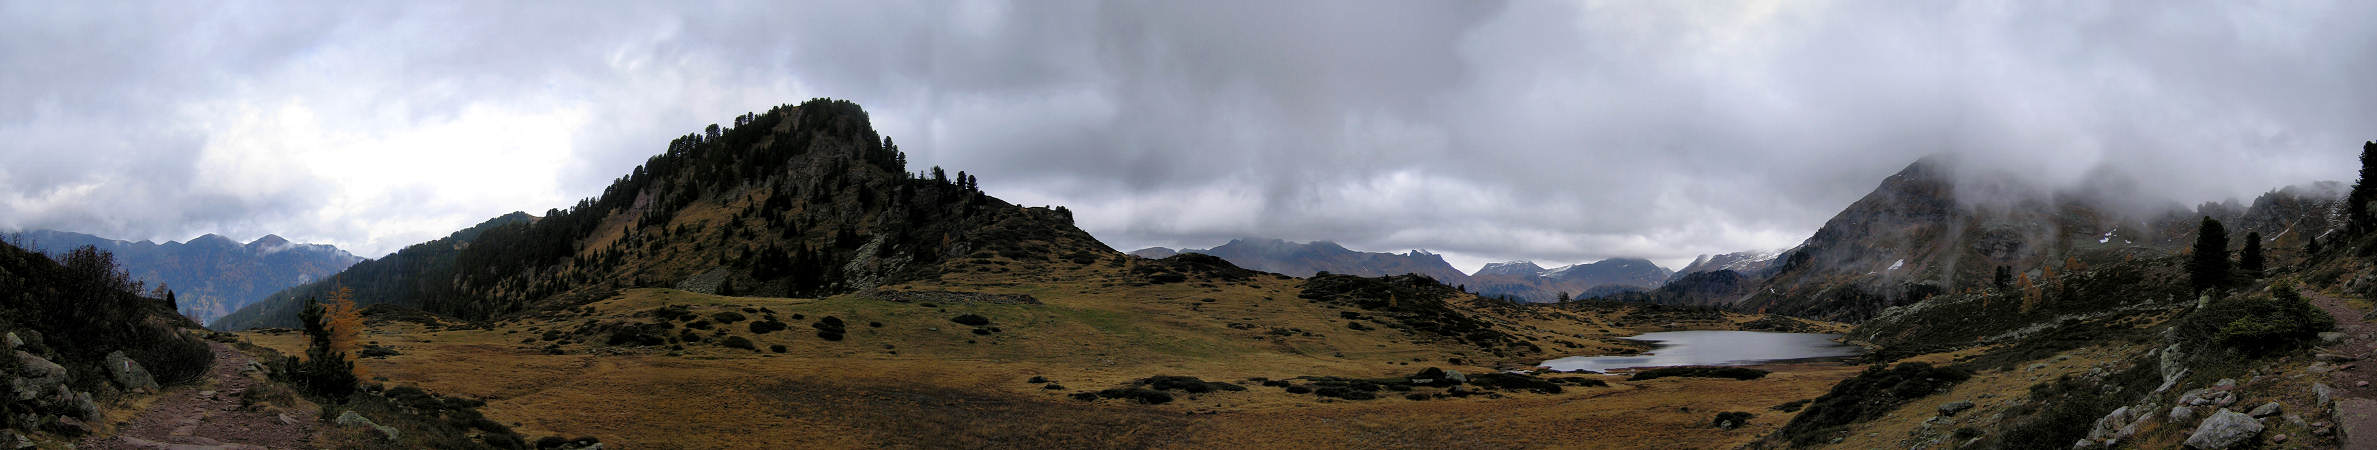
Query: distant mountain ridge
x,y
211,275
1517,279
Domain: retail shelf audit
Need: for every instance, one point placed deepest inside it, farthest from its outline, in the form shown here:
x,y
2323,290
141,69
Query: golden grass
x,y
932,387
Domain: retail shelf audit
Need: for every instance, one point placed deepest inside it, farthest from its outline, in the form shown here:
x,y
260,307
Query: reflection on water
x,y
1714,348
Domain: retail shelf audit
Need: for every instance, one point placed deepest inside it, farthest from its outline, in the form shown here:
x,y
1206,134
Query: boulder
x,y
2223,429
351,419
2265,410
2106,427
13,343
129,374
2330,336
1951,408
40,376
2182,414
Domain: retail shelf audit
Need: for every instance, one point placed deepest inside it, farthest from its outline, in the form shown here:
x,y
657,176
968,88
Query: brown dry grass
x,y
933,388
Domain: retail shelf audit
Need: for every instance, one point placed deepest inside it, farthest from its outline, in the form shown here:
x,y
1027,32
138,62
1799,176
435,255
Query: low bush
x,y
1512,381
727,317
1738,373
2260,324
738,342
1141,395
1186,384
971,320
767,326
1731,420
1870,394
829,328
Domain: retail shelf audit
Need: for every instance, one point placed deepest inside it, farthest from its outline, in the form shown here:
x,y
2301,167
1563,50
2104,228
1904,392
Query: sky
x,y
1558,132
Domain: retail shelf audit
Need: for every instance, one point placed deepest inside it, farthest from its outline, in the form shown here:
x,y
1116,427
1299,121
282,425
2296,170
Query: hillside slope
x,y
211,275
1933,228
801,200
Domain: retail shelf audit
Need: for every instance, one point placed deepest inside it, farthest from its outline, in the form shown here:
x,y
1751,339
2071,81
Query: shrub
x,y
727,317
778,348
2259,325
829,328
1186,384
1731,420
1141,395
1738,373
971,320
738,342
767,326
1512,381
1870,394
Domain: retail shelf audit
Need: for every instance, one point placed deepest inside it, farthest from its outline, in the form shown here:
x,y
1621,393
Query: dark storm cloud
x,y
1558,132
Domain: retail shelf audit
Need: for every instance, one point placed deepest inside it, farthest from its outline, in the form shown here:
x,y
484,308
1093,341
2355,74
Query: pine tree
x,y
2250,260
2209,267
2311,248
1563,296
2004,278
2356,204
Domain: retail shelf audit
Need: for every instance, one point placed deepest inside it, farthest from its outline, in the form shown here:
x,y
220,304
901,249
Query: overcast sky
x,y
1553,131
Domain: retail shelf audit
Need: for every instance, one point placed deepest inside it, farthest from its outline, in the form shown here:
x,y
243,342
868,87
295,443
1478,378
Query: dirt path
x,y
208,416
2356,398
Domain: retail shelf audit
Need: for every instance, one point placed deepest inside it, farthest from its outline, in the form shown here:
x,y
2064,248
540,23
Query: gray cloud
x,y
1559,132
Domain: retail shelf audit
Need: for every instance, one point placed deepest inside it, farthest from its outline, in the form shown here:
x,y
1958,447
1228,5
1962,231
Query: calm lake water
x,y
1714,348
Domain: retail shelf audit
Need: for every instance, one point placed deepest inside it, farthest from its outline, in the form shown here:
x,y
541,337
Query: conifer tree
x,y
2356,204
2250,260
2209,267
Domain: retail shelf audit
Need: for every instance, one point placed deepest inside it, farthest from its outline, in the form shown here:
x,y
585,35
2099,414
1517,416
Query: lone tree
x,y
2356,204
2209,267
2250,260
2004,278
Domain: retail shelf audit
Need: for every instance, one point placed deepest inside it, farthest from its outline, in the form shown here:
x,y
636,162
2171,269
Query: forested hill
x,y
381,281
801,200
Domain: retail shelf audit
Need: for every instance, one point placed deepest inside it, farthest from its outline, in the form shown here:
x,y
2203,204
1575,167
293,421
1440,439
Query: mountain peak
x,y
269,241
1512,268
214,240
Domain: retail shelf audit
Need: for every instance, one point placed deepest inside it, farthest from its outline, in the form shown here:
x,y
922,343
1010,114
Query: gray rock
x,y
2330,336
129,374
351,419
40,376
2265,410
2182,415
11,438
2331,357
13,343
2223,430
2326,394
2224,383
1455,376
1951,408
2108,426
83,406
